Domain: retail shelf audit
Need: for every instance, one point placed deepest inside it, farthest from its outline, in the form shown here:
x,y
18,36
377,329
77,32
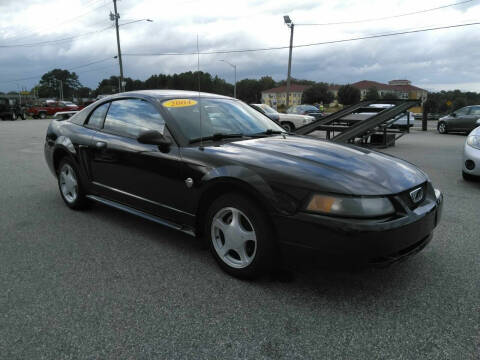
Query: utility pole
x,y
291,25
115,17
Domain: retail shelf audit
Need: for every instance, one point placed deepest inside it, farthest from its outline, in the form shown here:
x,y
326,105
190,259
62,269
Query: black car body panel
x,y
281,172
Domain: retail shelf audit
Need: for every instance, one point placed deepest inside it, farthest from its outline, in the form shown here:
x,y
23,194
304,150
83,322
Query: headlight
x,y
350,206
474,141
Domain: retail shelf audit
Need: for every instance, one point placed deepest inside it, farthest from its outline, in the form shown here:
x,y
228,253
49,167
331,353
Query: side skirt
x,y
141,214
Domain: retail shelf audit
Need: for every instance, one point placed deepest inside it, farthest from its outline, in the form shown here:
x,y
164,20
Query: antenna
x,y
199,98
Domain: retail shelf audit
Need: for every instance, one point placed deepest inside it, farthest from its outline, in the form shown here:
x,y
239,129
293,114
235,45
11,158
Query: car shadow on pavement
x,y
323,279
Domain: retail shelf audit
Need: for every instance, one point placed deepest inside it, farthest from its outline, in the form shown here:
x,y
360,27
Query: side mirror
x,y
154,137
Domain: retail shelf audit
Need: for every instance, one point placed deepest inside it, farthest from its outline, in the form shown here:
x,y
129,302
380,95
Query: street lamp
x,y
291,25
235,71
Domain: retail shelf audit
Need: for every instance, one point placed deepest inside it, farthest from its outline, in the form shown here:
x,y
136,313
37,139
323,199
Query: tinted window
x,y
97,117
475,110
462,111
132,116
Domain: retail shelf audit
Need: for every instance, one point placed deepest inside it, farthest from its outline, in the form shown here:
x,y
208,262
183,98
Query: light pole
x,y
291,25
235,74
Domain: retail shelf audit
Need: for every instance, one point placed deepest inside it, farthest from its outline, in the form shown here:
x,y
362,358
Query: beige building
x,y
278,96
401,88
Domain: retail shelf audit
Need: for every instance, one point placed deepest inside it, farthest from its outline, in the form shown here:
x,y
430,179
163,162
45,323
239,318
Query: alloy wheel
x,y
68,183
441,128
234,238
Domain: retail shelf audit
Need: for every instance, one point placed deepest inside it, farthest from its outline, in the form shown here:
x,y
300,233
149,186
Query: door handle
x,y
100,144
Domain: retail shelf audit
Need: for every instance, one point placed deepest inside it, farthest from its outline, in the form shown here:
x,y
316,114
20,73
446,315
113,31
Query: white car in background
x,y
289,122
402,122
471,156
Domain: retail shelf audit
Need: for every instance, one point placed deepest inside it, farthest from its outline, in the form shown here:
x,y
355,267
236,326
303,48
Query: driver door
x,y
135,174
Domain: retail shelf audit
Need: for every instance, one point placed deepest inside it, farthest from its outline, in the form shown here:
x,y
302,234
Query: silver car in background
x,y
471,156
289,122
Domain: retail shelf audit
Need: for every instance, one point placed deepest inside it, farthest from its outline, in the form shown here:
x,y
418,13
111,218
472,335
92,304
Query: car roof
x,y
166,94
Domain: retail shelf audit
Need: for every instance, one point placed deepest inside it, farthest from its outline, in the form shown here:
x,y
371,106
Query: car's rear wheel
x,y
442,127
288,126
42,115
70,185
240,236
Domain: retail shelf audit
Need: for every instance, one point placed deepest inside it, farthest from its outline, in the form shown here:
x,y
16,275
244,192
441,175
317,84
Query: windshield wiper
x,y
215,137
269,132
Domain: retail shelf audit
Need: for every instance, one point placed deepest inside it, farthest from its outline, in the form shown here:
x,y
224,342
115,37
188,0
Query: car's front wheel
x,y
442,127
240,236
42,115
70,186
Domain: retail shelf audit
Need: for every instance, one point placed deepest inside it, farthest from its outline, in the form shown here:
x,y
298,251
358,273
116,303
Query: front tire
x,y
442,128
70,185
240,237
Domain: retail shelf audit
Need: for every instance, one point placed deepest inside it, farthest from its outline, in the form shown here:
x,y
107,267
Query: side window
x,y
98,115
462,111
475,110
130,117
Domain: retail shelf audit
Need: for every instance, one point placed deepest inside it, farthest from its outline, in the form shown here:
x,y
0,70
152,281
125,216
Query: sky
x,y
437,60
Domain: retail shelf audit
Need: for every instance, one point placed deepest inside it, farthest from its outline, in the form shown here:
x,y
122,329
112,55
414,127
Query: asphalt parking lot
x,y
102,284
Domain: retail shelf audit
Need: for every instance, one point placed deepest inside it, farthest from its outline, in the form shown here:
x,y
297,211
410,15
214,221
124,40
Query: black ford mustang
x,y
213,167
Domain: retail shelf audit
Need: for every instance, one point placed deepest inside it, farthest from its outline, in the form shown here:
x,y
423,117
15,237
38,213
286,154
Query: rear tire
x,y
70,186
288,126
240,237
42,115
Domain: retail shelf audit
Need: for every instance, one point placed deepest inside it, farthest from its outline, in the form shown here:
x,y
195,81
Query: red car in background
x,y
51,108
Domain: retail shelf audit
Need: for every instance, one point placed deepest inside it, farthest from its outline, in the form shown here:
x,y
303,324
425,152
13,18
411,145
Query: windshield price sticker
x,y
174,103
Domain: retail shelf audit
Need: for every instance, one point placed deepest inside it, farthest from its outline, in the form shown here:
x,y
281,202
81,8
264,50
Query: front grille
x,y
407,198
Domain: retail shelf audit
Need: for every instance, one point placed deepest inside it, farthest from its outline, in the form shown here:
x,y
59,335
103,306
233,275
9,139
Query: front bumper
x,y
471,154
364,241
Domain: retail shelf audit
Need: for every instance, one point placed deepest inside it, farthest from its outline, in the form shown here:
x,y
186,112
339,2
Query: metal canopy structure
x,y
357,123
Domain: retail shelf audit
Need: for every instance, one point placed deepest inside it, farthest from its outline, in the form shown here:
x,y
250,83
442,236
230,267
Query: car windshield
x,y
218,117
268,109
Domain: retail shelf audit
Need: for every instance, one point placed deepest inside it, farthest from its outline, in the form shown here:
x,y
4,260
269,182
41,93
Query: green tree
x,y
348,95
49,85
249,90
317,93
372,94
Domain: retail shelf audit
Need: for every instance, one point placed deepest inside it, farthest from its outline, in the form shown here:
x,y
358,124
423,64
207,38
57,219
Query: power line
x,y
387,17
72,68
16,38
212,52
56,41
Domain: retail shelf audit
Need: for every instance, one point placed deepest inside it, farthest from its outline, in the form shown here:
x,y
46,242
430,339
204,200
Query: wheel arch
x,y
220,186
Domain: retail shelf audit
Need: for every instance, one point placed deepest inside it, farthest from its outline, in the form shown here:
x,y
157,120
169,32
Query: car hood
x,y
323,165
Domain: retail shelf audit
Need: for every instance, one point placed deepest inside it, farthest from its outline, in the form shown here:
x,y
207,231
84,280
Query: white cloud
x,y
444,58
